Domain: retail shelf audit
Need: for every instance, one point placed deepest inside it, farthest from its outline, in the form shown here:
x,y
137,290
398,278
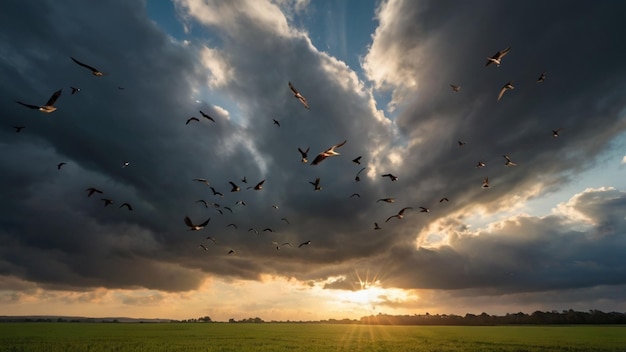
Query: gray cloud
x,y
55,235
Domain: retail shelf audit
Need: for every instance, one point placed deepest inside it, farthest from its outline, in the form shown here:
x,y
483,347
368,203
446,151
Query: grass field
x,y
97,337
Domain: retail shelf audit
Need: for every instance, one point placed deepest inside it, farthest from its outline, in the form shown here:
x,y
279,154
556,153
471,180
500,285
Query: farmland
x,y
95,337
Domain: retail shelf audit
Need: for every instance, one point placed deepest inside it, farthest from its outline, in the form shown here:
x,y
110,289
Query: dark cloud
x,y
55,235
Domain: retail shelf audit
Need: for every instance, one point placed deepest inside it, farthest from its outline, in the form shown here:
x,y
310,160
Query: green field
x,y
68,337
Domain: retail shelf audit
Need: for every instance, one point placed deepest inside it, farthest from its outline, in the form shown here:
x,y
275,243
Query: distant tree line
x,y
256,320
538,318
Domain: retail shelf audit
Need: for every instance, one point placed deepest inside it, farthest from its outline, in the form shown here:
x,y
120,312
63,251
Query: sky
x,y
547,234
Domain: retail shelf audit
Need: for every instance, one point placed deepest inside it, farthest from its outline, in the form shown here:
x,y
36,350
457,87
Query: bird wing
x,y
205,222
338,145
401,212
188,221
502,53
360,171
392,216
54,97
93,69
293,89
319,158
28,105
501,93
303,101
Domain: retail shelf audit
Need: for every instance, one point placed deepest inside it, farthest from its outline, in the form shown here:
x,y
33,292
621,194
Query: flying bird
x,y
206,205
424,210
480,164
92,190
206,116
235,187
391,177
304,244
193,227
327,153
508,161
256,232
299,96
357,178
211,239
241,202
444,199
106,201
357,160
220,211
93,70
244,180
461,143
202,180
203,247
258,186
455,89
400,214
130,208
49,106
376,227
355,195
304,154
507,86
276,122
232,251
60,165
497,57
232,225
275,206
542,77
191,119
486,182
555,133
285,220
316,184
18,129
229,209
74,90
386,200
125,164
216,193
267,229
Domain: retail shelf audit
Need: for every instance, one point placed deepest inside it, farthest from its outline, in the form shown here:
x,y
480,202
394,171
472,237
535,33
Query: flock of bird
x,y
50,107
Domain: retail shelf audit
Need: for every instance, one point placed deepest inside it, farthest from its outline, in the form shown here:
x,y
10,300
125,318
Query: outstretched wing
x,y
93,69
28,105
54,97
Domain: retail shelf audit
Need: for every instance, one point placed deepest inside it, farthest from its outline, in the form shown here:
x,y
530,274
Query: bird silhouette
x,y
206,116
400,214
93,70
304,154
299,96
234,188
327,153
391,177
191,119
316,184
48,107
92,190
497,57
507,86
193,227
